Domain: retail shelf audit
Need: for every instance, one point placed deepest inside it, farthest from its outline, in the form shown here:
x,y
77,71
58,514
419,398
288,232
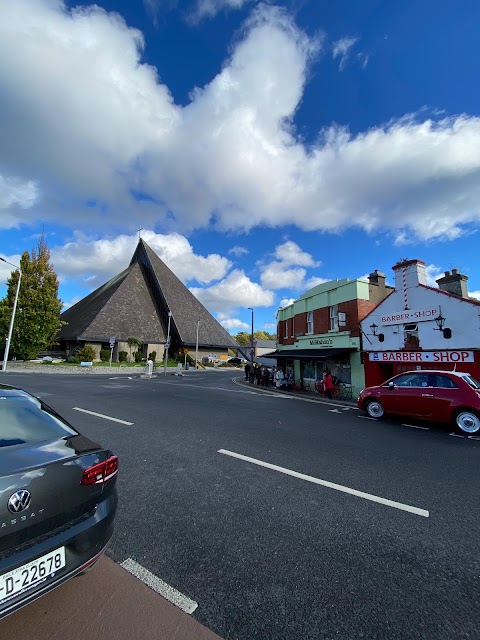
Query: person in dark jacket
x,y
247,372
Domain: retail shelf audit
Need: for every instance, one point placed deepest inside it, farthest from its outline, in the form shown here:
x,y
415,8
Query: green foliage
x,y
86,354
105,355
37,317
138,356
152,355
244,338
73,359
122,356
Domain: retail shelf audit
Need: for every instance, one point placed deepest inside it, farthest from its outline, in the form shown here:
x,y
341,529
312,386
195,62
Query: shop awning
x,y
308,354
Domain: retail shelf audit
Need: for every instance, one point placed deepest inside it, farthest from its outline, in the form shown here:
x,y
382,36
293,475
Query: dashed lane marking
x,y
330,485
101,415
151,580
415,426
367,418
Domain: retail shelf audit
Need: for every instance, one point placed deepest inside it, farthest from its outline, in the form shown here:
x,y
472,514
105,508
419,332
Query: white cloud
x,y
313,282
15,194
99,260
276,276
238,251
287,272
433,273
210,8
474,294
341,49
234,291
6,270
232,323
285,302
87,121
289,253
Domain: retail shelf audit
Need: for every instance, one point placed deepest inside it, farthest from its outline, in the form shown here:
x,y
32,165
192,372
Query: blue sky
x,y
263,147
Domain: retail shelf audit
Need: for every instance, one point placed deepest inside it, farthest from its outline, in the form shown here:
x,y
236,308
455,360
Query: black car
x,y
236,362
57,499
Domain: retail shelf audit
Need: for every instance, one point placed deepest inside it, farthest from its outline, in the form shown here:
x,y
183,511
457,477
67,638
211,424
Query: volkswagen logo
x,y
19,501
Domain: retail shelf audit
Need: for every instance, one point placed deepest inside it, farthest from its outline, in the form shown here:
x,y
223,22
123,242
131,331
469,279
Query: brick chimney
x,y
377,277
409,273
454,282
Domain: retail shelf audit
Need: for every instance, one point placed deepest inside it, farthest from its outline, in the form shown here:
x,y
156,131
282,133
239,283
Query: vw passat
x,y
57,499
440,396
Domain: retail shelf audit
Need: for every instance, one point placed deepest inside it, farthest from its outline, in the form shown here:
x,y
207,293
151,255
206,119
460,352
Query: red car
x,y
440,396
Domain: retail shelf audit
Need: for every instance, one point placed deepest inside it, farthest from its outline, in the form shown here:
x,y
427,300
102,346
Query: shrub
x,y
73,359
105,355
122,356
86,354
138,356
152,355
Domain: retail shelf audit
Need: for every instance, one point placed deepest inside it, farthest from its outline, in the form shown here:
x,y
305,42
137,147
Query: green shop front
x,y
311,356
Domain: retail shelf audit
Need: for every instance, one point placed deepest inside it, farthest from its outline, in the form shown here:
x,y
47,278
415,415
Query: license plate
x,y
31,574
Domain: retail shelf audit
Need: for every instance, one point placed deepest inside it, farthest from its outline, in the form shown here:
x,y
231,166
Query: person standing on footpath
x,y
247,372
328,384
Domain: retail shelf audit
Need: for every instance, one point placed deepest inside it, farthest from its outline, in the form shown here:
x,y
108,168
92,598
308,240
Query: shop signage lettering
x,y
322,342
410,315
422,356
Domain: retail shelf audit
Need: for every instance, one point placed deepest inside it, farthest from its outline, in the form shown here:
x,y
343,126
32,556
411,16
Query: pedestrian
x,y
251,374
265,377
258,374
328,384
279,378
247,372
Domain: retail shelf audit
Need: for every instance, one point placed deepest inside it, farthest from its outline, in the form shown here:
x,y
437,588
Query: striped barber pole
x,y
404,282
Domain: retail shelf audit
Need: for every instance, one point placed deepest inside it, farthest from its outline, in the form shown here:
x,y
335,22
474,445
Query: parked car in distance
x,y
237,362
57,499
439,396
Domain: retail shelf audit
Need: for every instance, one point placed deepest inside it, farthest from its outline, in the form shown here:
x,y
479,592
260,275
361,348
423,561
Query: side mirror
x,y
391,384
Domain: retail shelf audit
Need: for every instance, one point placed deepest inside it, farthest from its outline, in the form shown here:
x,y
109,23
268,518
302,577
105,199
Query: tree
x,y
37,319
132,341
244,338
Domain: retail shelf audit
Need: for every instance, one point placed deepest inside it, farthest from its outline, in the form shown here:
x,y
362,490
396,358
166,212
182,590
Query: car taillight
x,y
100,473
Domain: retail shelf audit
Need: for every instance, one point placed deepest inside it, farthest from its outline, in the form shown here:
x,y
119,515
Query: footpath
x,y
309,396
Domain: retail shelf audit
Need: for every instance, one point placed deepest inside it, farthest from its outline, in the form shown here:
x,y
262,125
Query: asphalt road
x,y
270,555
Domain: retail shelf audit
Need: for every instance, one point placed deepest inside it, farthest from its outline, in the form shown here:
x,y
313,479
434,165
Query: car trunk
x,y
51,471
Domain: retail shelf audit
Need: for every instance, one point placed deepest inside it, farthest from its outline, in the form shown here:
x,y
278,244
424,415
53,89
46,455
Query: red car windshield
x,y
471,381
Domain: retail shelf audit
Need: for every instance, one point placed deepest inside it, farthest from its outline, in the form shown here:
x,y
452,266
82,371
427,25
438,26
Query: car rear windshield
x,y
26,420
472,382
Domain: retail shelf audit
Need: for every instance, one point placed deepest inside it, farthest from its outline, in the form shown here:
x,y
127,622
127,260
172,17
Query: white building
x,y
421,327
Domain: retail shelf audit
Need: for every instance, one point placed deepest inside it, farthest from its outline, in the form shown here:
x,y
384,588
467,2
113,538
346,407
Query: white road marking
x,y
473,438
334,410
100,415
121,378
164,589
330,485
456,435
367,418
414,426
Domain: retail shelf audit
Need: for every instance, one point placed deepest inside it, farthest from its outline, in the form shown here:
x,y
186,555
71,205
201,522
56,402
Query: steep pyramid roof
x,y
122,307
186,310
136,303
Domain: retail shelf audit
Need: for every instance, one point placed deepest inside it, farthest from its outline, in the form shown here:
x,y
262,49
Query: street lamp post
x,y
12,319
167,344
196,347
252,351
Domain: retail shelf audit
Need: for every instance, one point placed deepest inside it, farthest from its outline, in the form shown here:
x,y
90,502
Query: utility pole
x,y
252,351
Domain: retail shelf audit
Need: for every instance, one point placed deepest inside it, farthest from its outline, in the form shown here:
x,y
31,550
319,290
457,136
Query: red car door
x,y
410,395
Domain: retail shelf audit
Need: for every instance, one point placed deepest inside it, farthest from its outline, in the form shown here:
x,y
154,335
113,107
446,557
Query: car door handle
x,y
427,395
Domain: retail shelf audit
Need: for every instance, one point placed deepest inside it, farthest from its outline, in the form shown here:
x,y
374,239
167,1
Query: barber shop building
x,y
422,327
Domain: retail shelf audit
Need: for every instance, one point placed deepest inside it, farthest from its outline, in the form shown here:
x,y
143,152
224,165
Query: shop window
x,y
410,336
310,322
334,317
286,328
